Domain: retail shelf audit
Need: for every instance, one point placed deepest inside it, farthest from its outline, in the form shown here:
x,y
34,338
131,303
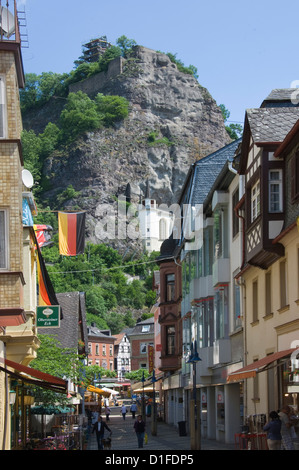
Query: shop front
x,y
20,381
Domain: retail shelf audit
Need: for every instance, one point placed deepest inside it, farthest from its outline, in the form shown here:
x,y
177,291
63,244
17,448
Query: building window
x,y
255,301
3,240
294,177
221,312
235,221
145,328
170,279
97,349
162,229
255,201
237,305
283,284
3,113
104,349
218,228
170,340
275,191
143,348
111,350
268,283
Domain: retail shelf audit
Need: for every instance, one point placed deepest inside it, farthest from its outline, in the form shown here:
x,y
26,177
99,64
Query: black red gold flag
x,y
71,233
46,293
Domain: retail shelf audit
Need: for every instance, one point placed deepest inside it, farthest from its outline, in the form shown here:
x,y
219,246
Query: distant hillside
x,y
173,121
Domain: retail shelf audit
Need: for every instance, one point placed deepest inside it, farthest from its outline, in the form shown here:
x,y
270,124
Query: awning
x,y
110,391
146,389
124,384
26,373
258,366
99,391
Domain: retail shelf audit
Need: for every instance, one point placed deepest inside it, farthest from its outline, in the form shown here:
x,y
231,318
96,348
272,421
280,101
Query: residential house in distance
x,y
141,337
100,347
122,355
269,278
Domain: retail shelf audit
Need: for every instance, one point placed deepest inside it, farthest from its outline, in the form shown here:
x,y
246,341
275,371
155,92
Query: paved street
x,y
167,438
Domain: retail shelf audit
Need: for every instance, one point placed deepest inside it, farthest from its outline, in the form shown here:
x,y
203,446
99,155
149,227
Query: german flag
x,y
71,233
46,293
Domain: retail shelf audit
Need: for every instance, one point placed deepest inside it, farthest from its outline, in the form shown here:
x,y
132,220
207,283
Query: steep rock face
x,y
173,121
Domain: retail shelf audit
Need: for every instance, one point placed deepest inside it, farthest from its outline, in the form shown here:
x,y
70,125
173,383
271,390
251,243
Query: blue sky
x,y
242,50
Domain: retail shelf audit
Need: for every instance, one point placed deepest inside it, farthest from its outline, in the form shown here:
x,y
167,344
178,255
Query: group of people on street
x,y
280,429
99,426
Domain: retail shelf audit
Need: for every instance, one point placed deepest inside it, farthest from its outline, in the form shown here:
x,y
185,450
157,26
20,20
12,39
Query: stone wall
x,y
93,85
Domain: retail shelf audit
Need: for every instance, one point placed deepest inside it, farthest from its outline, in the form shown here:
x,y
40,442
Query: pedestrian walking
x,y
273,428
107,412
286,431
133,409
124,411
139,427
99,428
94,417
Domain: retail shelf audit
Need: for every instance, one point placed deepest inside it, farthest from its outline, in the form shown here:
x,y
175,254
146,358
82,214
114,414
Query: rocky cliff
x,y
173,121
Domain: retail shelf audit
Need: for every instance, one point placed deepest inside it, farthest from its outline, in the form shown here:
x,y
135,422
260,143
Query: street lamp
x,y
154,419
143,404
97,382
195,432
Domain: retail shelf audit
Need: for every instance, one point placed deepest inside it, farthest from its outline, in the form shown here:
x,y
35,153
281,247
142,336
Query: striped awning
x,y
258,366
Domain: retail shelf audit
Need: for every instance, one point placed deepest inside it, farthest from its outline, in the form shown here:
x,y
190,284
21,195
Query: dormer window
x,y
275,191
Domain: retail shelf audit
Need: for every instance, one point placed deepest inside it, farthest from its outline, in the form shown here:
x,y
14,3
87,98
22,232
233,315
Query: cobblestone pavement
x,y
167,438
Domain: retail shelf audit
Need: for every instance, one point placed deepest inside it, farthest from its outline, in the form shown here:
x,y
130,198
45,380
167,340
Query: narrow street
x,y
167,438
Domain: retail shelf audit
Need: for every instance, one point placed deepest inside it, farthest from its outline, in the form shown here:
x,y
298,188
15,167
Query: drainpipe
x,y
230,166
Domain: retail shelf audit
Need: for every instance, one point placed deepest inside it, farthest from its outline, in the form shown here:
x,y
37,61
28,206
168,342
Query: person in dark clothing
x,y
139,427
99,428
273,428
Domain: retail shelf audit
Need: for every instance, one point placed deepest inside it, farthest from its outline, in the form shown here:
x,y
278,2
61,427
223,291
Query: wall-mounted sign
x,y
48,316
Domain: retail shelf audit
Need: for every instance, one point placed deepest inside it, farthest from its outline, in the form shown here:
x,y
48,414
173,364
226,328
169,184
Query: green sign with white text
x,y
48,316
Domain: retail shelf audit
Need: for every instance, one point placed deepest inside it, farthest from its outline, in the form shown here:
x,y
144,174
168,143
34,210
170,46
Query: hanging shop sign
x,y
48,316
